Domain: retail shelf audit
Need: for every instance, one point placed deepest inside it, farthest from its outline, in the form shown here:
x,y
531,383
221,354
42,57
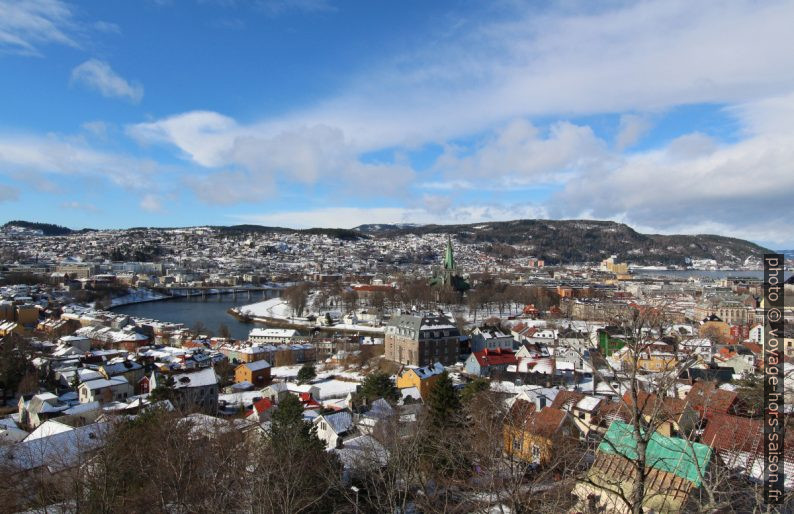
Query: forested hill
x,y
47,229
573,241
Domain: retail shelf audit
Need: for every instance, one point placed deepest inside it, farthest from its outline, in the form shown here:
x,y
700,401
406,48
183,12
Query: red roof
x,y
497,357
728,433
260,406
707,398
667,407
733,433
544,422
307,401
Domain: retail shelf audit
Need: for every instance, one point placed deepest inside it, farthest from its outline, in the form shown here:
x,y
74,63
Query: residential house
x,y
275,392
105,390
379,411
489,362
256,373
39,408
583,409
421,378
132,371
333,427
260,411
196,390
536,436
273,335
672,416
740,444
674,469
490,338
708,399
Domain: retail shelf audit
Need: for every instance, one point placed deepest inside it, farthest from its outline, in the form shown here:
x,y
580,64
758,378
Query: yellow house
x,y
420,378
532,436
652,358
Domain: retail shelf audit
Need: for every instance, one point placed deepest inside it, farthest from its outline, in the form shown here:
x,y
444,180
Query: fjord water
x,y
212,311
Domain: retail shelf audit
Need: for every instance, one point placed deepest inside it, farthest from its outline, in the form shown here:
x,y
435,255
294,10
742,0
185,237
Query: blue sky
x,y
669,117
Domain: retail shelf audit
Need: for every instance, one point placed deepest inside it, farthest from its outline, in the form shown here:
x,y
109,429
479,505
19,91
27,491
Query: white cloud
x,y
479,76
631,129
78,206
8,194
520,153
99,76
62,156
27,25
97,128
305,154
349,217
743,189
151,203
107,27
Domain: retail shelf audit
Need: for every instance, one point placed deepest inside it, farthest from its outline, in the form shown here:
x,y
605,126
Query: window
x,y
516,443
535,453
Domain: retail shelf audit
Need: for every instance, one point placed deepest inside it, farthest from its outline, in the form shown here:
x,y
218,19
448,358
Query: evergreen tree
x,y
307,373
164,389
13,363
378,385
471,389
288,429
443,404
440,452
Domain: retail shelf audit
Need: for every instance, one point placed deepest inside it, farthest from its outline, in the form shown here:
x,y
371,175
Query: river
x,y
211,312
712,274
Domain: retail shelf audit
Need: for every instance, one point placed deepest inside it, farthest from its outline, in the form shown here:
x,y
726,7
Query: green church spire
x,y
449,258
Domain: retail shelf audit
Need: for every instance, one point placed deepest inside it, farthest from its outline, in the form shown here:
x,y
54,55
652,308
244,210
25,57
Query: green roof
x,y
672,454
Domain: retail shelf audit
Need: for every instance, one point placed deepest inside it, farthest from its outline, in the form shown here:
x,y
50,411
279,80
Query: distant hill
x,y
338,233
47,229
571,241
555,241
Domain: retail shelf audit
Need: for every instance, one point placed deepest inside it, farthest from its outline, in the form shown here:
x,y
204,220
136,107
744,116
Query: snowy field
x,y
277,308
136,296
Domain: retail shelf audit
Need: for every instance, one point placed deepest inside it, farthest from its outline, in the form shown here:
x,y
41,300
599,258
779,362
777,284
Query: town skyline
x,y
333,114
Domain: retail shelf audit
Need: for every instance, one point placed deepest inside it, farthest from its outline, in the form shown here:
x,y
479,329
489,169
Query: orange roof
x,y
706,398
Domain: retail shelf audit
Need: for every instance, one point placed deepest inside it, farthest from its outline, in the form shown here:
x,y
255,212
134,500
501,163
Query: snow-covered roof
x,y
588,403
339,422
272,332
102,383
256,365
202,378
429,371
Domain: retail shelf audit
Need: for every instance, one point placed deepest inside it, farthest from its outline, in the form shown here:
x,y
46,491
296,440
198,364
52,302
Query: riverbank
x,y
244,315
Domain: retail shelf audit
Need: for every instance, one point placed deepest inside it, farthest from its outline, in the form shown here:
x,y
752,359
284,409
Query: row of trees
x,y
489,297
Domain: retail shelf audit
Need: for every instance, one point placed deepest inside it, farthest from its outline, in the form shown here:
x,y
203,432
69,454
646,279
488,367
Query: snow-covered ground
x,y
137,296
335,388
278,308
291,372
240,399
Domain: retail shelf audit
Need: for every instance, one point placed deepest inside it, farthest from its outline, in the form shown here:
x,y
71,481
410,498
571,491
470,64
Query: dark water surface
x,y
211,312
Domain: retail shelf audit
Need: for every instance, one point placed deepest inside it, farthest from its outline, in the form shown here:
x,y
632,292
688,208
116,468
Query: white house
x,y
331,428
272,335
105,390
